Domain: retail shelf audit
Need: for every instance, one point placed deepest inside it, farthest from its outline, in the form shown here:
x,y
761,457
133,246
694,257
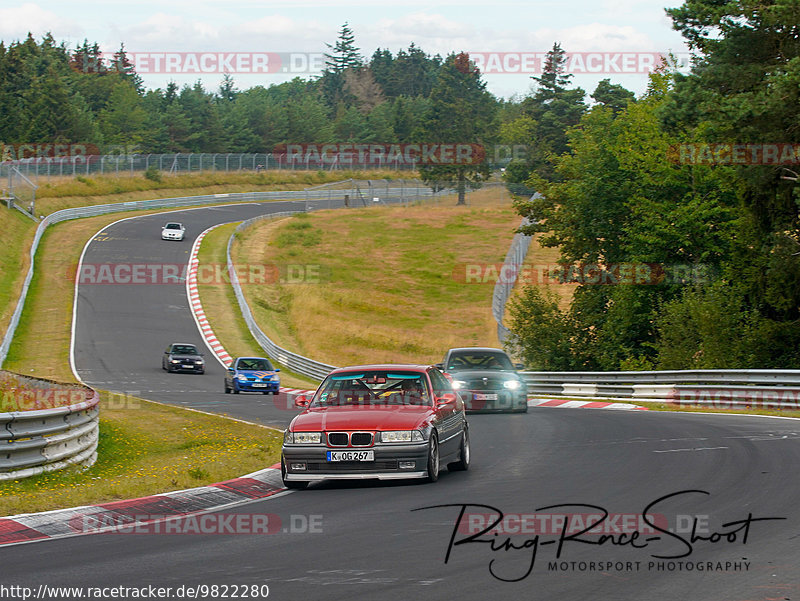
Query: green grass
x,y
388,277
659,406
674,407
145,448
18,232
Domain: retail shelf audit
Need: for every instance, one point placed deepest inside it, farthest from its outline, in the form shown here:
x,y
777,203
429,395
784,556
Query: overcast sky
x,y
265,42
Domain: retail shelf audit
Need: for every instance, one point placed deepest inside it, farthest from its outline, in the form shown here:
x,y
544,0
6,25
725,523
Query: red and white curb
x,y
193,294
110,517
211,340
583,404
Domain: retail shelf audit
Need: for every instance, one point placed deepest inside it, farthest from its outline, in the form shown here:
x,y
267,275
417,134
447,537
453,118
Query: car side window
x,y
440,384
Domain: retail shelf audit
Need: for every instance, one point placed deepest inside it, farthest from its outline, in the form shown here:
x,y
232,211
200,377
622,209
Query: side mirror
x,y
302,401
448,398
439,366
519,366
277,370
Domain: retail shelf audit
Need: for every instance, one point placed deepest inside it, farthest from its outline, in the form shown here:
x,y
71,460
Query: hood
x,y
475,374
391,417
255,373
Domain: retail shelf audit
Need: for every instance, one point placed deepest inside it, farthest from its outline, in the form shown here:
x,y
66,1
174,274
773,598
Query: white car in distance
x,y
173,231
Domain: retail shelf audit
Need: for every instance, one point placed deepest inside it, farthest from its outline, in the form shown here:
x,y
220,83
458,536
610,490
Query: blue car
x,y
252,374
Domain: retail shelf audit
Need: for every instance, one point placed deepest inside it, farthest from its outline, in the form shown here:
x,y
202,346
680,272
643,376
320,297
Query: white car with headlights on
x,y
173,231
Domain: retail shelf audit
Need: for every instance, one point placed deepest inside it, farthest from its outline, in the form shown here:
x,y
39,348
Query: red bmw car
x,y
377,421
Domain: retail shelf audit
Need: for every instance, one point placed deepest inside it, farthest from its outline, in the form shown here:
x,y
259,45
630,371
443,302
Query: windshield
x,y
184,349
479,360
260,364
173,226
373,388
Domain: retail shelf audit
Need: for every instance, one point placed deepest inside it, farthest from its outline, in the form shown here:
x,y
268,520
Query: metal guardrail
x,y
720,388
297,363
34,441
505,283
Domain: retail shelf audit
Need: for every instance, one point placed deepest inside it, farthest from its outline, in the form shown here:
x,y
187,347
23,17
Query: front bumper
x,y
507,401
384,467
270,386
171,236
198,369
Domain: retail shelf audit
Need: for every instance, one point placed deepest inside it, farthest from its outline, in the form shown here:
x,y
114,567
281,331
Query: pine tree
x,y
461,112
344,53
123,66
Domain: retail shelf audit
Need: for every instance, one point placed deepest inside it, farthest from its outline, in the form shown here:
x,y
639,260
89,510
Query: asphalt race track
x,y
365,540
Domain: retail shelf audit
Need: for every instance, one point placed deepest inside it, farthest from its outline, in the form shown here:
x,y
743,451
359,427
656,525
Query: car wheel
x,y
292,484
235,390
463,463
433,460
227,390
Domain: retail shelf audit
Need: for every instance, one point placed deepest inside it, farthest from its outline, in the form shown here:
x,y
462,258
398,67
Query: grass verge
x,y
65,192
664,406
393,277
658,406
18,232
146,448
58,193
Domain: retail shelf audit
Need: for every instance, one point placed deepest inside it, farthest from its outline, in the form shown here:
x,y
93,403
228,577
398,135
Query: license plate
x,y
259,385
484,397
188,365
351,455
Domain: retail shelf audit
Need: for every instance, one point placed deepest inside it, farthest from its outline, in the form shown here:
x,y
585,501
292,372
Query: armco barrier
x,y
720,388
297,363
43,440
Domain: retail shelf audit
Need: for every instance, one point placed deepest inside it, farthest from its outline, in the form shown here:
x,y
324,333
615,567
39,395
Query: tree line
x,y
625,182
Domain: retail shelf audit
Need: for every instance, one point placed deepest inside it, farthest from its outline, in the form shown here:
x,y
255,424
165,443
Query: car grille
x,y
338,439
485,384
352,466
356,439
361,439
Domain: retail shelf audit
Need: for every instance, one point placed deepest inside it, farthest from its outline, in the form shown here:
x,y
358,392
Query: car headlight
x,y
302,437
175,360
241,378
511,384
402,436
199,362
459,384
